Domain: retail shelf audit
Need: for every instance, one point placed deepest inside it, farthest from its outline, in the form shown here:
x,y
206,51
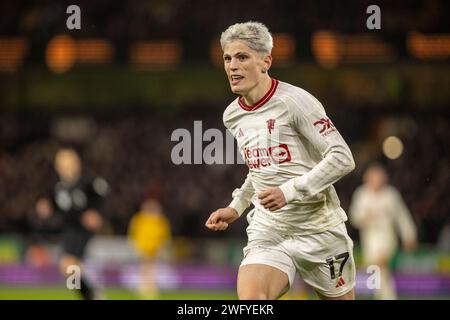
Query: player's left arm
x,y
98,191
92,217
359,212
404,222
310,120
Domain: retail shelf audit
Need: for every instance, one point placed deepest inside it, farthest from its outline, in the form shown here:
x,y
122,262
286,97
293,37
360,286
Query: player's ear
x,y
267,63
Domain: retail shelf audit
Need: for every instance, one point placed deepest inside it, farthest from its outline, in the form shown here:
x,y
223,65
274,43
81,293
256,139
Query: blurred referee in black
x,y
79,200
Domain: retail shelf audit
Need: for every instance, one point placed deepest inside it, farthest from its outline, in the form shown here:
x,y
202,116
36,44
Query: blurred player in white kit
x,y
294,154
378,211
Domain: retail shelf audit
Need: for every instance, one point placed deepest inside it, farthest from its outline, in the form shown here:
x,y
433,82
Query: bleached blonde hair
x,y
253,34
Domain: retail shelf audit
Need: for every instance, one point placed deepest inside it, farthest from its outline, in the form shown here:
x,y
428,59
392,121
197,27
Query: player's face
x,y
376,178
68,165
244,67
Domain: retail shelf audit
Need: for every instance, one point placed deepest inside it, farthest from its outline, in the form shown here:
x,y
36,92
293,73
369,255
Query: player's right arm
x,y
44,208
357,210
221,218
242,198
404,222
91,219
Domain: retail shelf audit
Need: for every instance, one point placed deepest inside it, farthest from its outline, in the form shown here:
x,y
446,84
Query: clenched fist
x,y
221,218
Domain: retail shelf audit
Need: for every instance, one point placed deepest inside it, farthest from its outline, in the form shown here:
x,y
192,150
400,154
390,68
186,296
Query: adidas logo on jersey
x,y
240,133
340,282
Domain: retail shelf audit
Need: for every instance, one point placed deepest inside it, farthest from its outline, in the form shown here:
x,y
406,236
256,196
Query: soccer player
x,y
79,201
294,154
378,211
149,232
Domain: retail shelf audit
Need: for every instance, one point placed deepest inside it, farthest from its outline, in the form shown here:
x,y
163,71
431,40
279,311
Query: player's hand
x,y
410,245
272,199
221,218
44,209
91,220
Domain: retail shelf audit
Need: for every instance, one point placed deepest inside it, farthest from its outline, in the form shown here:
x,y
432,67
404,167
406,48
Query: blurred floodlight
x,y
61,53
283,49
367,48
94,51
156,54
325,46
12,53
216,53
422,46
332,48
392,147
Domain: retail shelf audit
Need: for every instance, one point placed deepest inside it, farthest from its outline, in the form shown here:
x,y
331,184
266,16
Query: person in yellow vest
x,y
150,233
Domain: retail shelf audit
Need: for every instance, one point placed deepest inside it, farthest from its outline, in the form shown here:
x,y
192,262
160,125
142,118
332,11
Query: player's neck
x,y
71,181
255,94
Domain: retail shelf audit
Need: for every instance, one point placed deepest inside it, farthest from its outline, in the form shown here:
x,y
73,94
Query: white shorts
x,y
323,260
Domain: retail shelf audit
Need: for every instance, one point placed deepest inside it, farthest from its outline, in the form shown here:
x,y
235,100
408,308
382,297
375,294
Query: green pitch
x,y
58,293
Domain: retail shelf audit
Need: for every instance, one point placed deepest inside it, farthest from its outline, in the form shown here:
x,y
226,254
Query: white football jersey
x,y
287,141
381,213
